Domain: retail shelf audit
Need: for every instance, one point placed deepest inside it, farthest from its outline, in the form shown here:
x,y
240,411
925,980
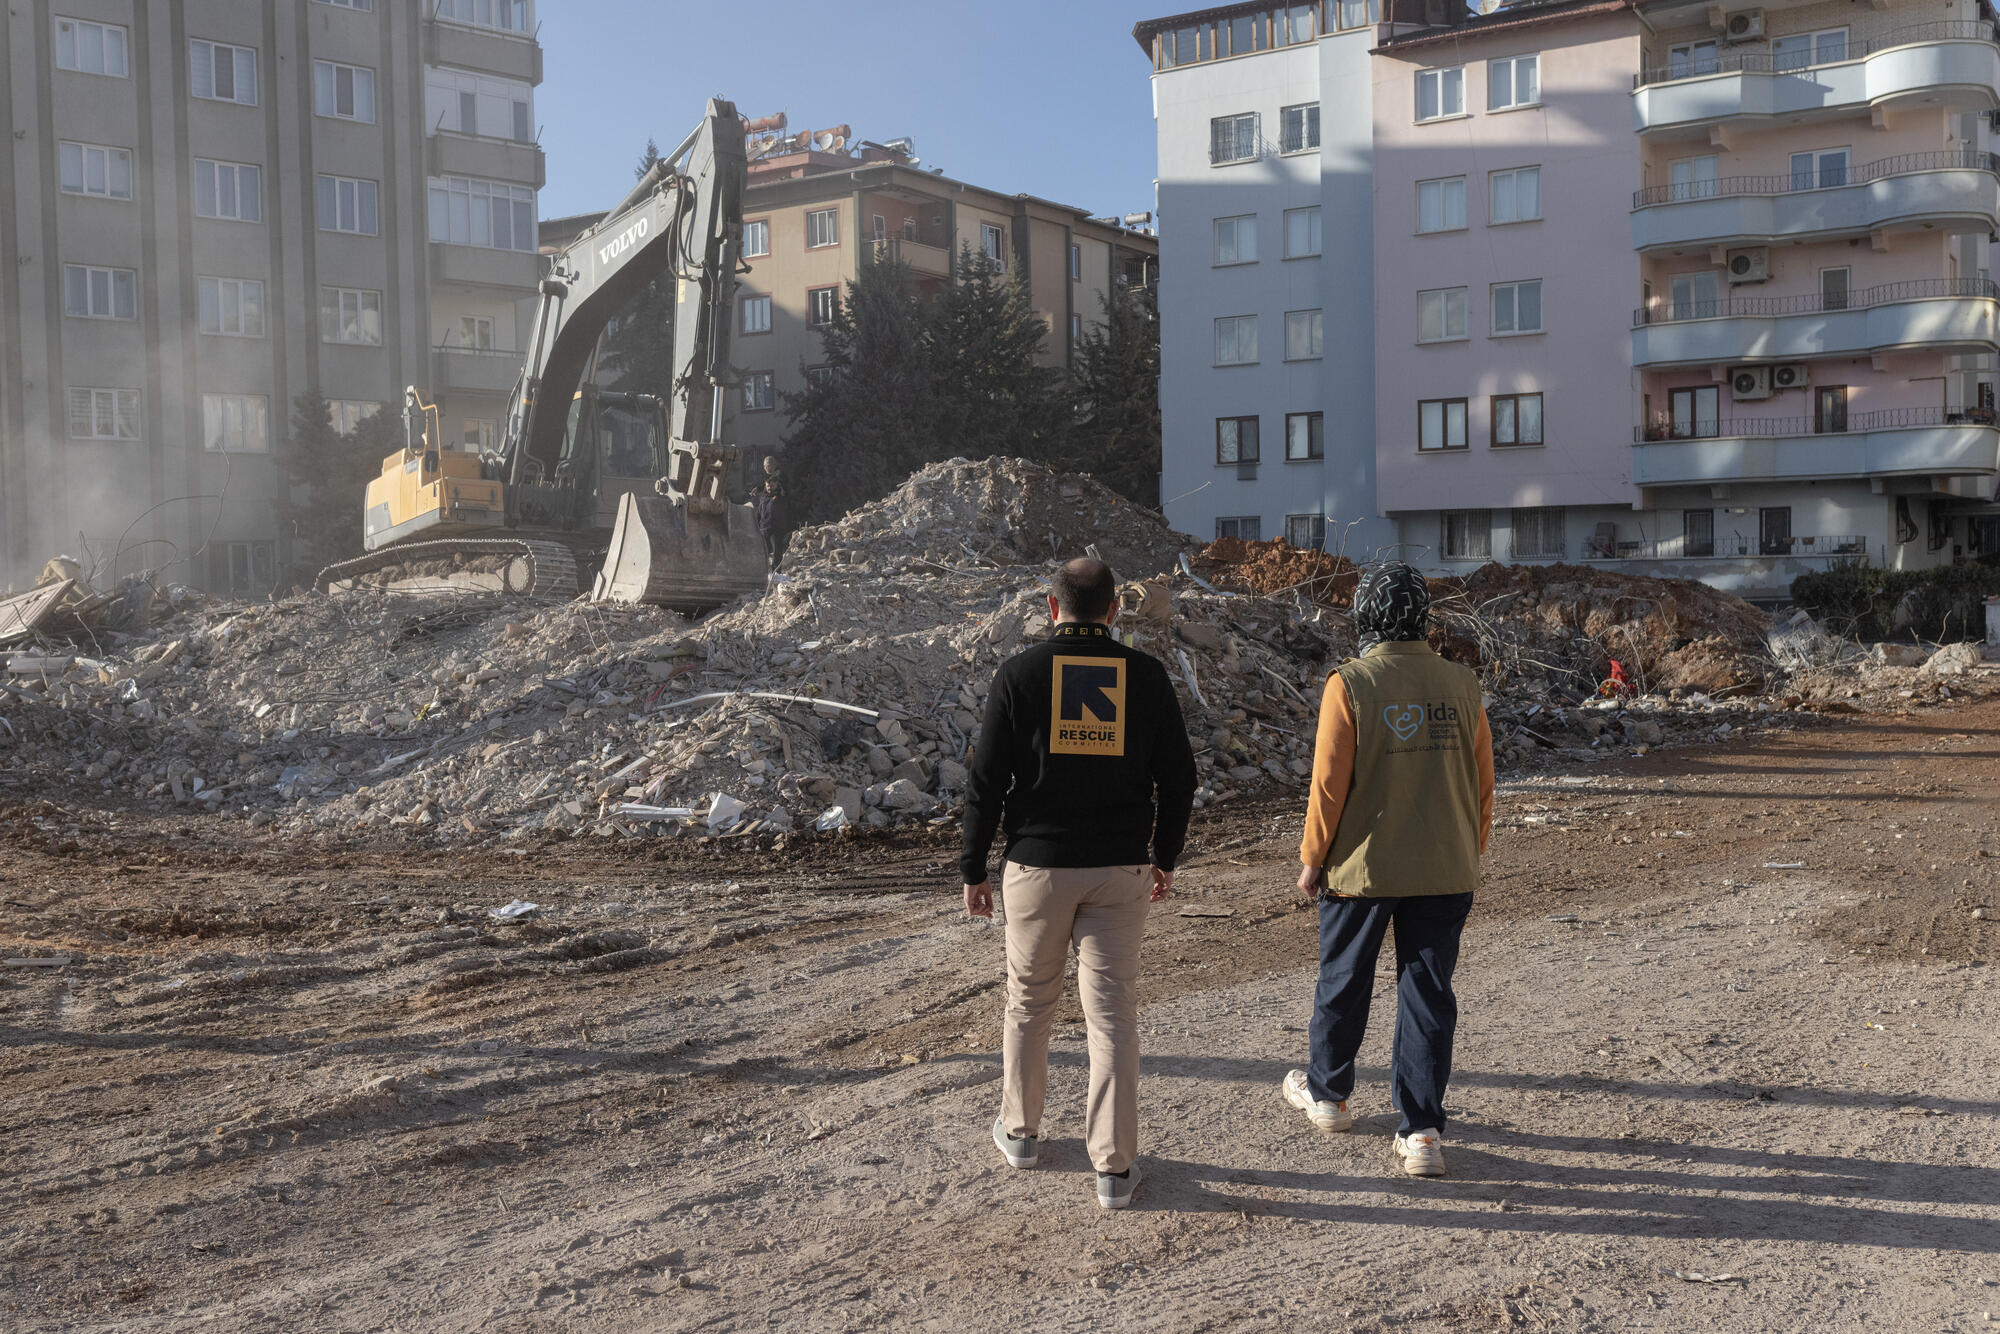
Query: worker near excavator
x,y
773,524
1084,762
1397,817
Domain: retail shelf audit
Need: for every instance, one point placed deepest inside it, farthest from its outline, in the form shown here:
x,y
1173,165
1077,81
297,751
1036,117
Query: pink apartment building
x,y
1687,287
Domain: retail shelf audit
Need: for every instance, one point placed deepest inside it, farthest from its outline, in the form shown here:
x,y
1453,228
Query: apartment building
x,y
1267,275
216,205
812,216
1797,198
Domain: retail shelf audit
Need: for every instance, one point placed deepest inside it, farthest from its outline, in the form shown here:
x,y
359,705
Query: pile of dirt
x,y
1278,567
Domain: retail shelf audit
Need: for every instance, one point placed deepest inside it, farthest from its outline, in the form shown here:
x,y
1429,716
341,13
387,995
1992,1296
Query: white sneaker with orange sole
x,y
1332,1116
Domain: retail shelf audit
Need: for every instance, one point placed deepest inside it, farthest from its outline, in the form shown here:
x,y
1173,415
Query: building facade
x,y
217,205
1797,200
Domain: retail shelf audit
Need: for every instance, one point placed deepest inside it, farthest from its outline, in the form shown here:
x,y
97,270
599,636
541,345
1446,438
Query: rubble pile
x,y
848,694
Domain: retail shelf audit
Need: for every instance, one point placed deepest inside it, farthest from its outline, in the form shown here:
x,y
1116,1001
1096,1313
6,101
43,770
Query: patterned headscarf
x,y
1391,603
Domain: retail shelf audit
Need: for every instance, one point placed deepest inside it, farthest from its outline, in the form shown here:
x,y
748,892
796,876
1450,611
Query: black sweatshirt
x,y
1080,731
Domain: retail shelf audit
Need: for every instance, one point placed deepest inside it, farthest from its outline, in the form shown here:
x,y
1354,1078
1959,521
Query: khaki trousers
x,y
1103,910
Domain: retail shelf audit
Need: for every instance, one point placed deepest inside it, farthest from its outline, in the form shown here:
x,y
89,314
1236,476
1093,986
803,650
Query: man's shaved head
x,y
1085,589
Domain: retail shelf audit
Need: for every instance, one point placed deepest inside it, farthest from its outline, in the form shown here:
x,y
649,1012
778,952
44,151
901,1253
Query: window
x,y
1833,288
993,242
1307,531
347,413
350,315
94,293
1688,59
1517,307
819,377
241,569
1236,440
1516,195
1076,331
462,102
92,169
231,190
1693,413
1697,532
1693,177
236,423
1822,169
1537,534
476,332
1076,263
878,228
1693,295
1298,128
1236,340
1301,232
1440,93
1305,436
507,15
1303,339
757,238
232,307
1441,424
363,5
103,414
1829,408
1232,138
1245,33
909,229
757,314
1296,24
482,213
91,48
344,92
1517,419
479,434
1466,534
223,73
822,228
1441,205
821,302
1359,13
1236,240
1247,528
1800,50
347,205
757,391
1441,315
1774,531
1513,82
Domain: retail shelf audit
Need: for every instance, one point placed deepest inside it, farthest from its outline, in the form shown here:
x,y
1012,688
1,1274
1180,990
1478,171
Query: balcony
x,y
1899,442
478,370
1946,314
1948,191
924,261
469,46
483,266
1733,546
1953,63
487,159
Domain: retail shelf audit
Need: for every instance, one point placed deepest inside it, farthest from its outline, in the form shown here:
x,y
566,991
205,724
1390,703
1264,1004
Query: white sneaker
x,y
1324,1115
1422,1154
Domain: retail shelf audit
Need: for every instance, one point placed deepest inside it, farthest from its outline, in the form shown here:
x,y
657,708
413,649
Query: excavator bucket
x,y
666,552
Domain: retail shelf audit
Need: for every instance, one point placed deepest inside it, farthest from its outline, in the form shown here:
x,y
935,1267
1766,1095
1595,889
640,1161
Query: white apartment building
x,y
213,206
1267,272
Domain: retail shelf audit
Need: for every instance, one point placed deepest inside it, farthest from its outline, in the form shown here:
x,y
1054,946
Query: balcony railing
x,y
1765,428
1733,546
1671,311
1763,60
1964,159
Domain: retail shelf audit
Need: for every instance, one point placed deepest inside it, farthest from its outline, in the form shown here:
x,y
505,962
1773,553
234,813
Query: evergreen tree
x,y
639,347
327,475
1117,435
981,340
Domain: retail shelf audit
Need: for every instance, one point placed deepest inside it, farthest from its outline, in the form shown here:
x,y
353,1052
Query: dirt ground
x,y
1727,1062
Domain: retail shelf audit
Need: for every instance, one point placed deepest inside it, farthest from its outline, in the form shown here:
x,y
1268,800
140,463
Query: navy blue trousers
x,y
1350,940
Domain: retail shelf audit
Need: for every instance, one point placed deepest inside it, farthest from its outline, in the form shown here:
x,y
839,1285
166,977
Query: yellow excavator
x,y
618,494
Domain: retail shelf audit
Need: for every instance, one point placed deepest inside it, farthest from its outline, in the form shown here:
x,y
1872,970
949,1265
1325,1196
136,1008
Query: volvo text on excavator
x,y
577,466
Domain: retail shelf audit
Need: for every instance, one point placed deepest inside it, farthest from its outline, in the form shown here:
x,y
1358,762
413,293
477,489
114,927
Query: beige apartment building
x,y
811,217
213,206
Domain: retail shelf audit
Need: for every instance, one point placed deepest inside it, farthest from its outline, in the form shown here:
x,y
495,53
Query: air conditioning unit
x,y
1793,376
1745,25
1751,265
1747,382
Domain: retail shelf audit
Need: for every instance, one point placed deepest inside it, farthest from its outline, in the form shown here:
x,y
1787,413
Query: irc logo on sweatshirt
x,y
1087,707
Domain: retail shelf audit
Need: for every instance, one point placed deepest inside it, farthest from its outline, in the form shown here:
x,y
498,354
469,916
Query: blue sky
x,y
1044,97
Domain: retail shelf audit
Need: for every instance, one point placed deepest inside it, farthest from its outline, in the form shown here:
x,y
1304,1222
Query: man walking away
x,y
1081,736
1399,811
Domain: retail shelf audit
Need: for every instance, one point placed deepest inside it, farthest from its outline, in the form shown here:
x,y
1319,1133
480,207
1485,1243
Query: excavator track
x,y
521,567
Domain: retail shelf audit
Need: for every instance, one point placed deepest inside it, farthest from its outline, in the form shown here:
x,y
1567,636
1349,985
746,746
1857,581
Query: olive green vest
x,y
1411,823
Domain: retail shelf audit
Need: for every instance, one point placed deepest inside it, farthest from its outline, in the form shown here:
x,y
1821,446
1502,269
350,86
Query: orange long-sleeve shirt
x,y
1333,774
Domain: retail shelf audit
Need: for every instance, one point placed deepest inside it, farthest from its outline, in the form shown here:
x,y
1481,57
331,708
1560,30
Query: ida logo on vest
x,y
1404,719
